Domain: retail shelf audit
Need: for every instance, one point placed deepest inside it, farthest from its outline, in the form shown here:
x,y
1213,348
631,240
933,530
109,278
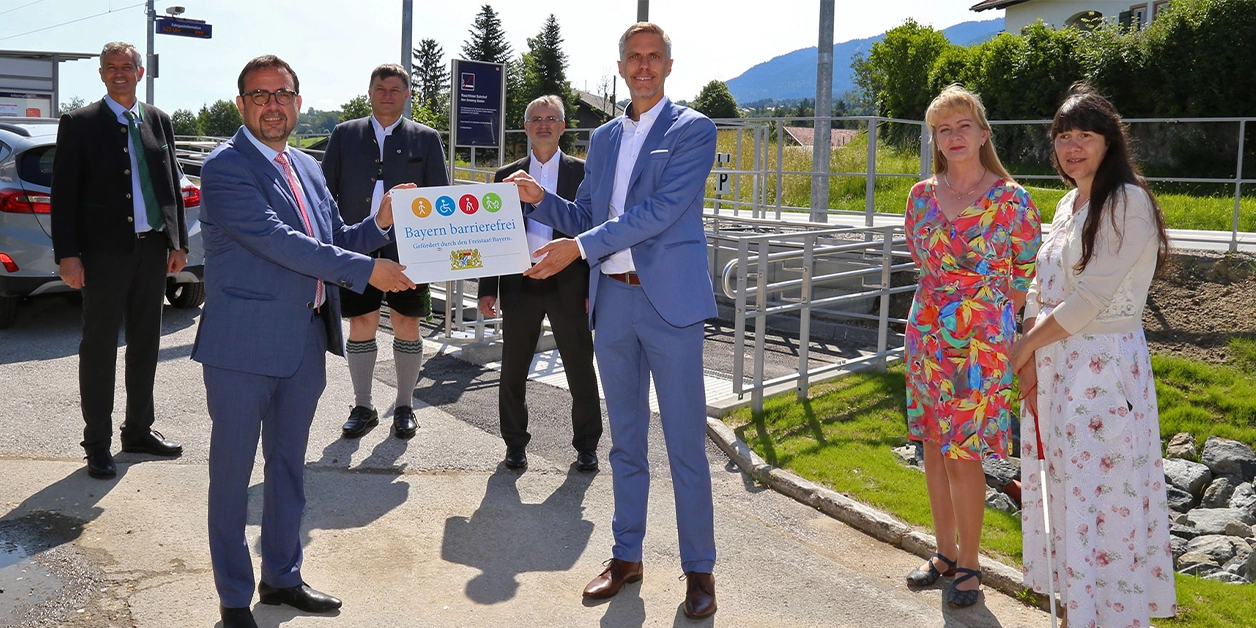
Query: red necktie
x,y
305,215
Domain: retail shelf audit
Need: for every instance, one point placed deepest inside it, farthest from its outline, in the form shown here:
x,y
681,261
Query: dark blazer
x,y
92,208
261,268
573,281
412,154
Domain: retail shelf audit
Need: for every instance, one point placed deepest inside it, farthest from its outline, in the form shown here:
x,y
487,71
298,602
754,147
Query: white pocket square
x,y
658,152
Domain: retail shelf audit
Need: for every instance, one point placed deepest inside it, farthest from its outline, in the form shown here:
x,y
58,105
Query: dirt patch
x,y
1199,302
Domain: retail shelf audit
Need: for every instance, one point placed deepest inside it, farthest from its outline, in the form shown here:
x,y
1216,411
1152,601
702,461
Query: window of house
x,y
1156,7
1138,16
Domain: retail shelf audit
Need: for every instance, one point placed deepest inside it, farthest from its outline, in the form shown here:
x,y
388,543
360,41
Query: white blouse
x,y
1109,295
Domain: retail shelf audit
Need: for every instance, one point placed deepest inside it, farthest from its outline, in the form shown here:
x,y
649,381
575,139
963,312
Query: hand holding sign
x,y
384,217
556,255
529,190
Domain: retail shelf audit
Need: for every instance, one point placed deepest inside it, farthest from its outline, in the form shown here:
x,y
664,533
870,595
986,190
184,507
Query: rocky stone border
x,y
860,516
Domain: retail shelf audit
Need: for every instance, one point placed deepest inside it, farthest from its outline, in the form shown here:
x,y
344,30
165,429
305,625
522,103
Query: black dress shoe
x,y
586,461
516,459
301,597
361,419
100,464
403,422
151,442
237,617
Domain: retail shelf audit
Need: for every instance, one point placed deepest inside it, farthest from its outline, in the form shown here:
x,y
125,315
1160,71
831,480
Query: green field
x,y
1210,210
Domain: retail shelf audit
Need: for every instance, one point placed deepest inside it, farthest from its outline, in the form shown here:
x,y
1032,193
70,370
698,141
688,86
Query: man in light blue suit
x,y
638,214
274,241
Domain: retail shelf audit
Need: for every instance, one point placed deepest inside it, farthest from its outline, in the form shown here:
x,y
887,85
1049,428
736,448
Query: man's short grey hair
x,y
548,100
121,47
644,27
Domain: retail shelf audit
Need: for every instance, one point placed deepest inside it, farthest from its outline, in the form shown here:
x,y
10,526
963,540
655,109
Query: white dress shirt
x,y
381,132
137,195
546,174
630,142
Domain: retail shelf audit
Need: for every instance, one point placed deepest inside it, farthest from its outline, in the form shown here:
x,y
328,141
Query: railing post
x,y
883,325
926,151
1238,189
780,167
870,182
760,322
737,179
804,317
739,317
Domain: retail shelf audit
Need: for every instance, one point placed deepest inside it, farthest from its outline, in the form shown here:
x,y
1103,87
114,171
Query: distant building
x,y
592,111
1073,13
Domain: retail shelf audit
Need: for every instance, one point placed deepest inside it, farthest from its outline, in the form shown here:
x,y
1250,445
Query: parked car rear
x,y
28,266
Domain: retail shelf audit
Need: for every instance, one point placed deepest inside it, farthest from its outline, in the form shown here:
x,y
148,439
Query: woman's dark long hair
x,y
1085,110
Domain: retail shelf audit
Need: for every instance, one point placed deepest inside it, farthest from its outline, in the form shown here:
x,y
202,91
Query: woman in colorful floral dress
x,y
974,234
1090,391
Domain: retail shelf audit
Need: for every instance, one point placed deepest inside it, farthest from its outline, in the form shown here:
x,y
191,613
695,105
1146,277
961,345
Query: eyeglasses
x,y
546,120
261,97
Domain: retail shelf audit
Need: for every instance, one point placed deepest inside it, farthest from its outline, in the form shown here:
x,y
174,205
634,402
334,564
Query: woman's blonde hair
x,y
956,98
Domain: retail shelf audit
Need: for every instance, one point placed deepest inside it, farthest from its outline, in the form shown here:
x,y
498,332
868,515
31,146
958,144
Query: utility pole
x,y
407,46
643,10
150,62
821,146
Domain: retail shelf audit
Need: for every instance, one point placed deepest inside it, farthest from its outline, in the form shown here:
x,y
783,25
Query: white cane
x,y
1046,518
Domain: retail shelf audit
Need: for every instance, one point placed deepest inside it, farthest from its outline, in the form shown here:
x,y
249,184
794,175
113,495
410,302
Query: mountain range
x,y
793,75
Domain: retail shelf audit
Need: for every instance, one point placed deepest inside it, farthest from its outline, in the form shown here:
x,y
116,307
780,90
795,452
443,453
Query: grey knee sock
x,y
361,355
408,356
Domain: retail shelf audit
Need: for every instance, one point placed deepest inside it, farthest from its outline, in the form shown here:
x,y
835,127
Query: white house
x,y
1061,13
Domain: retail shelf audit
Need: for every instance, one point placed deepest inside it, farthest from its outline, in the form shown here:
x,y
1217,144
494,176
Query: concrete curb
x,y
862,517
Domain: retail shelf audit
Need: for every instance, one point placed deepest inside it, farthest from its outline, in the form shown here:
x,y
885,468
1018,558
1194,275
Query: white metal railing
x,y
747,280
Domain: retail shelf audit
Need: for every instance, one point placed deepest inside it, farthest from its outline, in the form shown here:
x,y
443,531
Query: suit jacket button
x,y
368,199
398,151
310,305
127,171
128,195
125,149
346,283
130,219
376,161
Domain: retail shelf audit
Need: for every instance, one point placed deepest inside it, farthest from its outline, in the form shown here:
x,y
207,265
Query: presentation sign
x,y
479,95
460,232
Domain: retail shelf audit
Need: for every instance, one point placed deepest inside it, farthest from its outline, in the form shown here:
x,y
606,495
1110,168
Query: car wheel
x,y
186,295
8,311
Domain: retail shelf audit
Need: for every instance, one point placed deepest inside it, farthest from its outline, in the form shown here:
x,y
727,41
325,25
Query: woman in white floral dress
x,y
1086,376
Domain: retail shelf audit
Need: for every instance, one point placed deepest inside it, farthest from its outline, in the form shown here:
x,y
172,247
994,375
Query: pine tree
x,y
545,71
431,84
488,40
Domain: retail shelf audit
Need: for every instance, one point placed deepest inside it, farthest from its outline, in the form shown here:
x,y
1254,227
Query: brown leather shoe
x,y
612,579
700,594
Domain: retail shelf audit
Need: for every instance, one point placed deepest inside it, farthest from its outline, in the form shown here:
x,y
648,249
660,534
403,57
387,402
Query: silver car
x,y
27,265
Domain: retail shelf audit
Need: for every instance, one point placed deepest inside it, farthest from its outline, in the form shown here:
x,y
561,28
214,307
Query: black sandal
x,y
919,578
957,598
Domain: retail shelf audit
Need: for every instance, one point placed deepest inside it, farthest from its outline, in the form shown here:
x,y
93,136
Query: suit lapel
x,y
270,172
667,116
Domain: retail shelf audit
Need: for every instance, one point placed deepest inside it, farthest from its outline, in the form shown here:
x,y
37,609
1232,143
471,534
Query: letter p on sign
x,y
723,182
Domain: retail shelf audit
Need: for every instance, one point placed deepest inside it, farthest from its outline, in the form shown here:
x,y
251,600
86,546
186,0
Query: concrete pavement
x,y
426,532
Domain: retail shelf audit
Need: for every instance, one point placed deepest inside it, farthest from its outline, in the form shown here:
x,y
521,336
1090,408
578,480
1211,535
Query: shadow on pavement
x,y
505,537
62,509
50,327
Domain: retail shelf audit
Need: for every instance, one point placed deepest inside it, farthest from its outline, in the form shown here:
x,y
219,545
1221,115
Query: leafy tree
x,y
488,40
221,119
70,105
894,75
545,72
715,101
431,85
358,107
185,122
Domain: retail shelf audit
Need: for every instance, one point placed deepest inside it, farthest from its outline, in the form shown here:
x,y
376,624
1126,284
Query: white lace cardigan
x,y
1109,295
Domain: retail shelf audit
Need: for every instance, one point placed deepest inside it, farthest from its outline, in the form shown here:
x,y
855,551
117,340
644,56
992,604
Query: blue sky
x,y
333,44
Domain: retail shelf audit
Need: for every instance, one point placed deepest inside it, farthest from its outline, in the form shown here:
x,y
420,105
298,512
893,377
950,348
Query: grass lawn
x,y
841,438
1212,208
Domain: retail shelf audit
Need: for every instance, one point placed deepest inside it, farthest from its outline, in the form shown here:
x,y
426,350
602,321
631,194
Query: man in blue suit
x,y
274,241
638,214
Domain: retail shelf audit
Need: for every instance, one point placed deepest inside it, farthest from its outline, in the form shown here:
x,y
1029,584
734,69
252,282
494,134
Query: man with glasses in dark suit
x,y
118,228
525,301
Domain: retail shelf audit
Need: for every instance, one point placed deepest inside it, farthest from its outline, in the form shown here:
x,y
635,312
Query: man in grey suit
x,y
563,298
117,228
275,248
639,219
364,158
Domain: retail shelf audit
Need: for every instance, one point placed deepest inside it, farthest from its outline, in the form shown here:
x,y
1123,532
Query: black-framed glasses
x,y
261,97
546,120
